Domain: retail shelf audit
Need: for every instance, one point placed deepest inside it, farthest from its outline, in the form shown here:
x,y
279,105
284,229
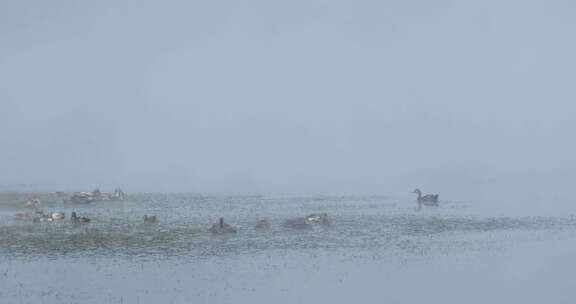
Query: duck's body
x,y
82,198
118,194
33,203
263,224
321,219
307,222
426,200
42,219
42,216
57,215
96,196
150,219
60,194
298,223
222,228
78,219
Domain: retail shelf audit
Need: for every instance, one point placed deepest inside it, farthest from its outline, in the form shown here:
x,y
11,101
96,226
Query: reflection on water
x,y
362,228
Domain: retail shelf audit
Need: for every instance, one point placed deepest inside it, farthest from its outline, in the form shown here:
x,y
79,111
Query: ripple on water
x,y
359,222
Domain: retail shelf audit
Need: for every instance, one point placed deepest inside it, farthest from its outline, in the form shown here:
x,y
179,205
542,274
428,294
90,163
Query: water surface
x,y
374,243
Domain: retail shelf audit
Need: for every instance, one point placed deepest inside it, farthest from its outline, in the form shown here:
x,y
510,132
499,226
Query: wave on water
x,y
360,223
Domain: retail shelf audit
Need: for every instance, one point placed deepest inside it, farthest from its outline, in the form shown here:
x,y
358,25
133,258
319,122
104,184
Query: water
x,y
377,248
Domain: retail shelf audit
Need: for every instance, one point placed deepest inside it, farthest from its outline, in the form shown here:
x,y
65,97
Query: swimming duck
x,y
78,219
42,219
57,215
41,216
150,219
263,224
300,223
426,200
308,222
60,193
321,219
32,203
221,228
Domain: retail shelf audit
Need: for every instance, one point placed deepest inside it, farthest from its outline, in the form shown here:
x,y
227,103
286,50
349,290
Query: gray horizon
x,y
462,98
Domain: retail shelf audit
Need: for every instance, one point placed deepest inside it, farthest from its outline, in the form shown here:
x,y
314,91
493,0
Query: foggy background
x,y
465,98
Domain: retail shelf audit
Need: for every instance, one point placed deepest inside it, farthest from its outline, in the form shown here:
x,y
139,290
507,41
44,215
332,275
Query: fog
x,y
464,98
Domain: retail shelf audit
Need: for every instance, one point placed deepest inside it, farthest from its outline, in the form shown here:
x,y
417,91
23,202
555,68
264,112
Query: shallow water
x,y
375,243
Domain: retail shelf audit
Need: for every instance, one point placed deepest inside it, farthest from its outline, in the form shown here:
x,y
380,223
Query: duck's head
x,y
416,191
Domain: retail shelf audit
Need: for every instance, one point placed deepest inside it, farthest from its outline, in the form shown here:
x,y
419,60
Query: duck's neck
x,y
419,195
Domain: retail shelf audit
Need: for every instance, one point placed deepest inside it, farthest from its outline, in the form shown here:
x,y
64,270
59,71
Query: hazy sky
x,y
289,96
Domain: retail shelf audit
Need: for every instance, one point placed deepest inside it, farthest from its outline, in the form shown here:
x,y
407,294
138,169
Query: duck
x,y
41,216
307,222
33,203
57,215
321,219
263,224
42,219
78,219
60,194
222,228
426,200
150,219
299,223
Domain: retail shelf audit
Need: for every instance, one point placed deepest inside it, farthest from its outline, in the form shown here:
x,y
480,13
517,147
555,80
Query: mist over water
x,y
462,98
